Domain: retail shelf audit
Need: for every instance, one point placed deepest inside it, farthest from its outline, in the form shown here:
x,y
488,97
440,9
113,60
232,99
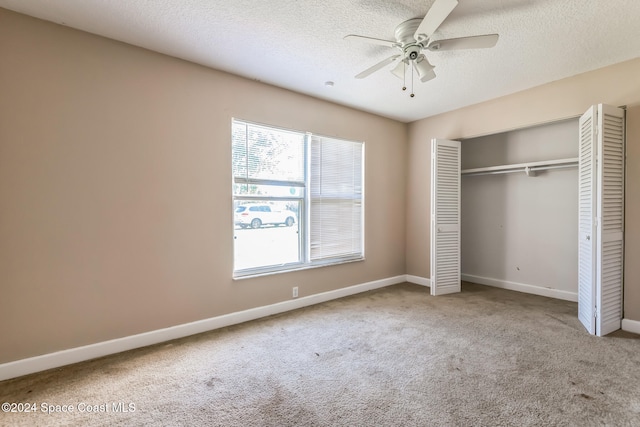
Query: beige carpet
x,y
390,357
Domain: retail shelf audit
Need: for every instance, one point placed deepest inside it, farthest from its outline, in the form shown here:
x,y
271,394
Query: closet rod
x,y
528,168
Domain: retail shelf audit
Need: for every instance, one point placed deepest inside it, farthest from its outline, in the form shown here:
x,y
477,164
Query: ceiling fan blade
x,y
435,17
373,40
473,42
399,69
424,68
376,67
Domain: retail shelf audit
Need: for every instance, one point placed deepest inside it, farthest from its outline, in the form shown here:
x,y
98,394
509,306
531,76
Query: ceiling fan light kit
x,y
424,68
414,36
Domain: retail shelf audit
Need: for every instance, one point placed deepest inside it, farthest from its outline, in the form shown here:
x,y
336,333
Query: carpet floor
x,y
395,356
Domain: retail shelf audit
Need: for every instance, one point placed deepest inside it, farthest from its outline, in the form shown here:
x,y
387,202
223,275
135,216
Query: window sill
x,y
261,273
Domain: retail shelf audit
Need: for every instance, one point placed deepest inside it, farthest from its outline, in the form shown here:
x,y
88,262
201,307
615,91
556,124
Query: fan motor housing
x,y
412,52
405,31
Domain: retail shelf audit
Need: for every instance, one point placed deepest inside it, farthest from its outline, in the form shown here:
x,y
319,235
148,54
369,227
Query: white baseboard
x,y
92,351
521,287
418,280
631,326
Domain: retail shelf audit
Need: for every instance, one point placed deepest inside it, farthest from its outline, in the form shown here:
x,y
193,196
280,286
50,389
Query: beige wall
x,y
115,179
616,85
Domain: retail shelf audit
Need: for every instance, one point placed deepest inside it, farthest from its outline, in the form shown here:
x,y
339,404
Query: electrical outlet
x,y
295,292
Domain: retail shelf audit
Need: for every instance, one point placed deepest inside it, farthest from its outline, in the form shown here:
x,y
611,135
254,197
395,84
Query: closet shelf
x,y
529,168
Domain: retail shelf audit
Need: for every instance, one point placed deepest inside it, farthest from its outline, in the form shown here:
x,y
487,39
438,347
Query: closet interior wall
x,y
517,231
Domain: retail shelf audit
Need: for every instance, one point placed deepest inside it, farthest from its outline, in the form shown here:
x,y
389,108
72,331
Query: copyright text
x,y
82,407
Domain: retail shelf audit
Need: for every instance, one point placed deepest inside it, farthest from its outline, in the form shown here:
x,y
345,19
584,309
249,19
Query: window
x,y
298,199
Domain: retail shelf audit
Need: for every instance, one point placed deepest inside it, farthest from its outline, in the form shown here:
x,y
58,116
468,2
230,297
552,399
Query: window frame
x,y
304,210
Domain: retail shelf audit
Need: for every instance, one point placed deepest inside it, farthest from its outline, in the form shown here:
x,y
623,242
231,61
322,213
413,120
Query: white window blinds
x,y
336,199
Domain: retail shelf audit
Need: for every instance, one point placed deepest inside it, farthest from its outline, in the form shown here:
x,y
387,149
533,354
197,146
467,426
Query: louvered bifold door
x,y
445,217
586,221
610,214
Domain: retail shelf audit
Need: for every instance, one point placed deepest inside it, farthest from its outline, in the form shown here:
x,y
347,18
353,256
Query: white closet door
x,y
601,219
610,213
445,216
586,220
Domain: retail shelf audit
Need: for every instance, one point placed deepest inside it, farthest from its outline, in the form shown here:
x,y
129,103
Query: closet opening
x,y
519,204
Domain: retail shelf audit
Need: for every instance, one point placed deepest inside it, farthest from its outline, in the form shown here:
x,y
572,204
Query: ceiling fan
x,y
412,37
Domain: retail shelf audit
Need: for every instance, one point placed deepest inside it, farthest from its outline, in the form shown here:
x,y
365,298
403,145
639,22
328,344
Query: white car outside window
x,y
255,216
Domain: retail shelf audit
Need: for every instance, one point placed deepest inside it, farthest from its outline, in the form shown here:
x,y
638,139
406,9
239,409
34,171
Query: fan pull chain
x,y
404,75
404,78
412,94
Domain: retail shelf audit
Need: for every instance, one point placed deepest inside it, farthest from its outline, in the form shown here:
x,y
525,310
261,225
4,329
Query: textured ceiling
x,y
299,45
